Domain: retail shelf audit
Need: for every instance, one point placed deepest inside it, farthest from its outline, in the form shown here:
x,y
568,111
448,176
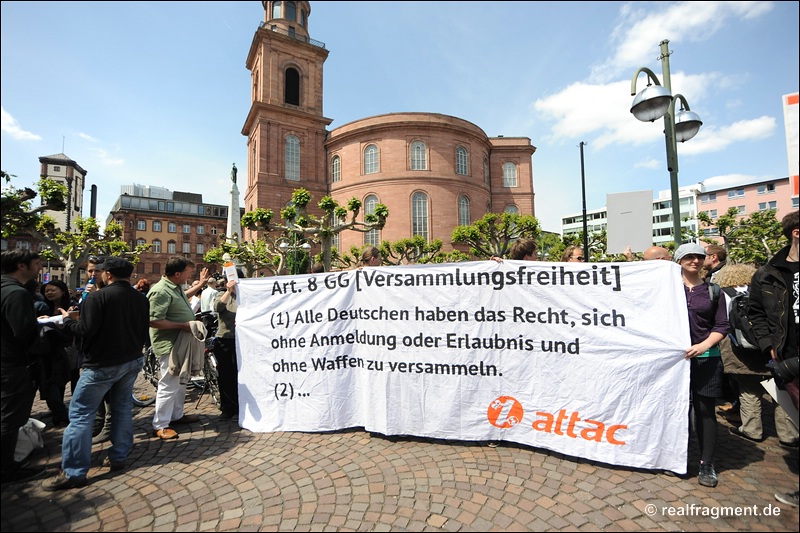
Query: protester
x,y
714,261
208,296
657,253
143,285
708,324
170,316
774,314
524,250
225,352
53,367
370,256
572,254
114,325
19,330
749,372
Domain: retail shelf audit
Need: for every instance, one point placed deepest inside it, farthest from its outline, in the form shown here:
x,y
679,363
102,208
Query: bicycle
x,y
210,380
146,385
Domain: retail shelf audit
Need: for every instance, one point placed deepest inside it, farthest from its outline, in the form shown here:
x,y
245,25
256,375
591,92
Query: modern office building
x,y
432,171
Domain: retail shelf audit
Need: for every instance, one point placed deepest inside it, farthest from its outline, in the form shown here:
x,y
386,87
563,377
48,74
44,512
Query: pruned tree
x,y
493,234
298,222
752,239
72,248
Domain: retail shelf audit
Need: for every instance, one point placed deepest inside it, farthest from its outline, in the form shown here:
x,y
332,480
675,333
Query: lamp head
x,y
687,124
305,246
651,103
283,246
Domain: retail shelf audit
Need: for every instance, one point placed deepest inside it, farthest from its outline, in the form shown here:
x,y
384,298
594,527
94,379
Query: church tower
x,y
285,128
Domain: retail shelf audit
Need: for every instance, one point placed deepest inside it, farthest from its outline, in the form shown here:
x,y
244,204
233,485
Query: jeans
x,y
93,385
225,352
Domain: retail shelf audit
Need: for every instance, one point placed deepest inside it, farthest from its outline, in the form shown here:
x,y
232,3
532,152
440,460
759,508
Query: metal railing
x,y
291,35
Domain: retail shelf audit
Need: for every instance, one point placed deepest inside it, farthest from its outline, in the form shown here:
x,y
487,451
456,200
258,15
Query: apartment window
x,y
156,268
56,169
419,156
463,211
708,198
713,214
214,230
141,225
187,247
462,161
171,249
766,189
371,162
187,228
201,249
172,227
373,236
735,193
509,174
419,214
156,246
156,225
23,245
741,210
336,168
763,206
795,202
201,229
140,242
292,158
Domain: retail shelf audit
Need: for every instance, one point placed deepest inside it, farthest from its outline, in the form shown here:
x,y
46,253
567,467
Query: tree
x,y
752,239
493,234
71,249
251,255
299,223
415,250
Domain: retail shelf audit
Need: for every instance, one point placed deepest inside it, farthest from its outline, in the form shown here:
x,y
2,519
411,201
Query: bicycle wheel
x,y
146,384
212,378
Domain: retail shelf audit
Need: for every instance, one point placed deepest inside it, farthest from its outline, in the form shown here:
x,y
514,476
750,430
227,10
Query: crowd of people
x,y
98,347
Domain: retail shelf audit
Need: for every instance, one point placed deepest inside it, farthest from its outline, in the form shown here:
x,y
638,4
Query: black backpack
x,y
744,342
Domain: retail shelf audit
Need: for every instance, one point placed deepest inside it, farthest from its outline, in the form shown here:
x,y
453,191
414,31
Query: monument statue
x,y
233,173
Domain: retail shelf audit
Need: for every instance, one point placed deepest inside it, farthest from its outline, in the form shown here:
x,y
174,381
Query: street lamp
x,y
285,247
654,102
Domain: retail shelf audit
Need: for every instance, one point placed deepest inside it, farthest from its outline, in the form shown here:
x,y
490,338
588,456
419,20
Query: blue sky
x,y
156,93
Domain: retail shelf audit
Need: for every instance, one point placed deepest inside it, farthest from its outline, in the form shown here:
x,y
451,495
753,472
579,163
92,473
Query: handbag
x,y
30,438
74,356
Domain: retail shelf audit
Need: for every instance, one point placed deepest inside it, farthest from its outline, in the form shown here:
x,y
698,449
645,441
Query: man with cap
x,y
114,326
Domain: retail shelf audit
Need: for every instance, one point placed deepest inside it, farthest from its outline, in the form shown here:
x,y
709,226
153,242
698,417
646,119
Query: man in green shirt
x,y
170,314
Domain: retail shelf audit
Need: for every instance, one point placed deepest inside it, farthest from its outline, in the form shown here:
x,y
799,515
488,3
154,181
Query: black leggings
x,y
705,420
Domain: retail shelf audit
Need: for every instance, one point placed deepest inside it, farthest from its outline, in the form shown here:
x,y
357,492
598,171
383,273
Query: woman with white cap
x,y
708,324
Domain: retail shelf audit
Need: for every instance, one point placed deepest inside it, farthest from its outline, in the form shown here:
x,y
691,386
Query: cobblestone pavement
x,y
219,477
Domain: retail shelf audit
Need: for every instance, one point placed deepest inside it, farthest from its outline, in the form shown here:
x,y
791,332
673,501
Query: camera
x,y
786,370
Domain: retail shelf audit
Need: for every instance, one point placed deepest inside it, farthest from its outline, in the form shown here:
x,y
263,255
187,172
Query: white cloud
x,y
649,163
104,158
714,139
732,180
87,137
12,127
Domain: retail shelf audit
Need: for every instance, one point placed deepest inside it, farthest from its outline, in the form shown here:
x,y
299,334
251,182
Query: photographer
x,y
774,315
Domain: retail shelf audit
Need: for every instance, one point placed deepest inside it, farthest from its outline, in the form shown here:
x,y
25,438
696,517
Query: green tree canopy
x,y
493,234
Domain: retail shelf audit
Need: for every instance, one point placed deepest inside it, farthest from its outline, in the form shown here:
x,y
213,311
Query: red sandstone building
x,y
433,172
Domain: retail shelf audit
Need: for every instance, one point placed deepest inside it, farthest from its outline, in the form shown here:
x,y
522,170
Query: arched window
x,y
371,163
419,156
336,169
512,209
291,11
373,236
509,174
156,246
462,161
276,9
291,89
140,242
171,247
463,211
419,214
292,158
486,171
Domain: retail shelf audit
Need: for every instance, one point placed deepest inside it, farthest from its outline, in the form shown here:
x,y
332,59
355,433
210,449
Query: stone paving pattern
x,y
219,477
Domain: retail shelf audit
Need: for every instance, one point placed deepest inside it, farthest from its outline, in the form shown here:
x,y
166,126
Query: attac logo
x,y
506,412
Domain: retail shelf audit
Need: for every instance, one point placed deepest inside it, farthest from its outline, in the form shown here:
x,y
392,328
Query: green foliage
x,y
298,224
17,214
753,239
493,234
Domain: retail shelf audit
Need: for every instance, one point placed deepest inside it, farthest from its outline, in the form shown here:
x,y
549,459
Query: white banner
x,y
583,359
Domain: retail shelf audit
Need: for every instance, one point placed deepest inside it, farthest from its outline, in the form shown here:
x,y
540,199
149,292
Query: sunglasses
x,y
579,258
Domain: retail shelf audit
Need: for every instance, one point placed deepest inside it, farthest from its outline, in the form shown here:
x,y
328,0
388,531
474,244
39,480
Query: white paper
x,y
783,399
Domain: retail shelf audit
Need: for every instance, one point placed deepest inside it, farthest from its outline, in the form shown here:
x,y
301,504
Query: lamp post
x,y
285,247
586,254
654,102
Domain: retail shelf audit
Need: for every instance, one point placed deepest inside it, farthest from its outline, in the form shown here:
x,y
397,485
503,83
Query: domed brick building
x,y
433,171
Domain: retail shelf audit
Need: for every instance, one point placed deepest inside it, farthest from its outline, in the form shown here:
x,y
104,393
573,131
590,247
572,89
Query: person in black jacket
x,y
19,330
775,316
114,326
